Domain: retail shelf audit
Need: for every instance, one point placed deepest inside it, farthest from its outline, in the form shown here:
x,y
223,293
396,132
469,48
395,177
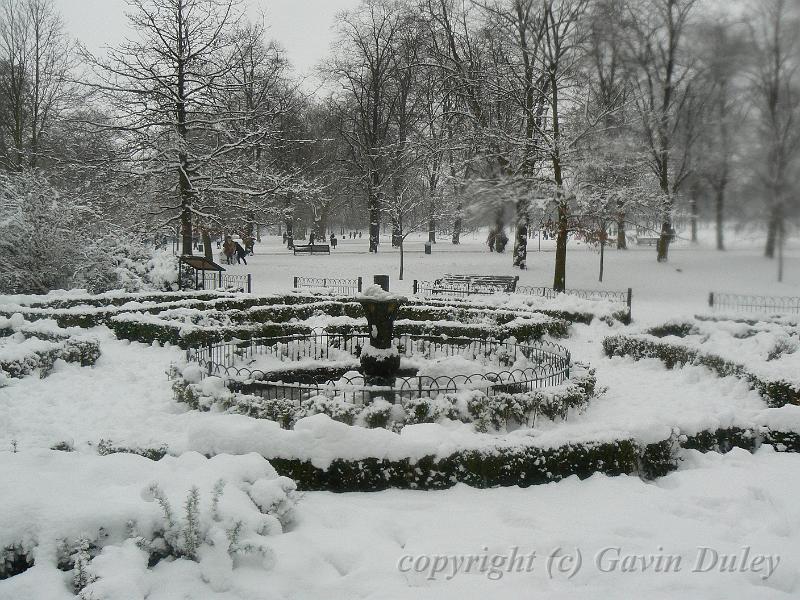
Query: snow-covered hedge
x,y
522,466
25,348
499,412
108,520
776,393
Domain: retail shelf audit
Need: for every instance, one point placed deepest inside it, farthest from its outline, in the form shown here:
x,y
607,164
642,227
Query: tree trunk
x,y
250,227
374,222
560,274
397,240
719,208
693,214
207,251
289,233
780,235
662,248
457,225
772,231
402,257
321,226
602,254
521,246
521,237
622,240
432,230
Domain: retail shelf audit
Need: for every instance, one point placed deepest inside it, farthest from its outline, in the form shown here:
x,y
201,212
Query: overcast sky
x,y
303,27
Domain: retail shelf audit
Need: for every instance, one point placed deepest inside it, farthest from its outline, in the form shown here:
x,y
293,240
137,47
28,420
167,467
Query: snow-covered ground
x,y
385,545
660,291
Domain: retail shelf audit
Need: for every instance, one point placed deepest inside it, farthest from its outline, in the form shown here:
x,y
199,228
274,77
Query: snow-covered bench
x,y
475,284
312,249
647,241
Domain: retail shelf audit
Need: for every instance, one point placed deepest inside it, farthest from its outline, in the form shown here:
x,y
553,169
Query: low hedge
x,y
463,310
100,311
776,393
522,466
84,352
124,298
523,331
188,336
525,465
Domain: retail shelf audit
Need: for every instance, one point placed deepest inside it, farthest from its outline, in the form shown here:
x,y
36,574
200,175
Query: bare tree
x,y
365,70
168,91
663,78
35,78
723,59
776,97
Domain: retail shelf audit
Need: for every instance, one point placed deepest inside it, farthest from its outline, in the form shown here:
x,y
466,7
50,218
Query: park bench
x,y
647,241
475,284
312,249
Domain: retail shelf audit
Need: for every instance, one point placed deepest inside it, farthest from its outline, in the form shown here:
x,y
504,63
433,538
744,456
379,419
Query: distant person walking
x,y
311,238
240,253
334,241
228,248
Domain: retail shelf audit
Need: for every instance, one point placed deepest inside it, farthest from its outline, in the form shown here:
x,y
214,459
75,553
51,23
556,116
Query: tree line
x,y
576,116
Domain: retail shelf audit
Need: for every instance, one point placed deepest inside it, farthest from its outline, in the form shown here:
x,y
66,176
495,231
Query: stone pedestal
x,y
380,360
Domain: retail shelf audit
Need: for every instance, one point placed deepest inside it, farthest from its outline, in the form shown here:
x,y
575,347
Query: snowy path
x,y
127,398
661,291
352,542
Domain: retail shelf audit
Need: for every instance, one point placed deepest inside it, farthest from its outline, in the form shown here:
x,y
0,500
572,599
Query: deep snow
x,y
349,545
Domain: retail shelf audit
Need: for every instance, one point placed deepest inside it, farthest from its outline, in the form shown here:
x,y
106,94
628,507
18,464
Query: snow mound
x,y
109,517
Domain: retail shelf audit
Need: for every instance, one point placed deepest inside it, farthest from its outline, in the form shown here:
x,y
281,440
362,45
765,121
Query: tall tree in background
x,y
609,86
775,90
561,51
662,81
365,70
722,57
166,92
35,79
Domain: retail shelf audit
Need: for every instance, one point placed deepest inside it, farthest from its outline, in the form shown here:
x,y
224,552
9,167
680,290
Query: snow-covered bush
x,y
54,240
336,408
189,513
21,355
123,262
776,392
488,413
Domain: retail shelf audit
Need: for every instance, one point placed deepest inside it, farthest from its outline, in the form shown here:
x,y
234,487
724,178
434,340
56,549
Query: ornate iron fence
x,y
462,290
550,366
754,303
621,297
346,287
227,281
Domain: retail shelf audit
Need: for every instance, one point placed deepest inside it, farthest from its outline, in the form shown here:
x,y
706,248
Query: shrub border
x,y
776,393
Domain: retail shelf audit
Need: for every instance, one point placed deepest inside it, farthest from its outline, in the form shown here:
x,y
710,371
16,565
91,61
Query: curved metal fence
x,y
754,303
346,287
550,364
546,292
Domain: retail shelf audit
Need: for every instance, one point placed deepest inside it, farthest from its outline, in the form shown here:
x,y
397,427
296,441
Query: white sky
x,y
302,27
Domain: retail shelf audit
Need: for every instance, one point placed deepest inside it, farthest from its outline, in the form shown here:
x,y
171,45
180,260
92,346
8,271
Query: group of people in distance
x,y
231,248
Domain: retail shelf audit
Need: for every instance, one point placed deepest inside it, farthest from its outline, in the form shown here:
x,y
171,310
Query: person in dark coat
x,y
333,241
228,248
240,253
311,238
